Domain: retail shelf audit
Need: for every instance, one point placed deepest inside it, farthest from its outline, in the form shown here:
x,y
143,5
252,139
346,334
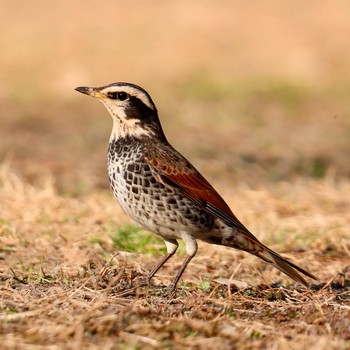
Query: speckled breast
x,y
158,208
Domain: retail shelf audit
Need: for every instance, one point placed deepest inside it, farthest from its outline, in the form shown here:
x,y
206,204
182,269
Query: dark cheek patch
x,y
136,109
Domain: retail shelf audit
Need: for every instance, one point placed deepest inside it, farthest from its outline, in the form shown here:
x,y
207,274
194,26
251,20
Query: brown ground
x,y
256,95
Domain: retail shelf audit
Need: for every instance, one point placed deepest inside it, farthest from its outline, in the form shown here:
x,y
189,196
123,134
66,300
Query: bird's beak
x,y
90,91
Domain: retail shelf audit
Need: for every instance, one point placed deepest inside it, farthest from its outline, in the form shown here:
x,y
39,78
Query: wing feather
x,y
176,172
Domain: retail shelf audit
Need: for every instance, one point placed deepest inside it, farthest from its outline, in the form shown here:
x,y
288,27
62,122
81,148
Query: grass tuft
x,y
134,239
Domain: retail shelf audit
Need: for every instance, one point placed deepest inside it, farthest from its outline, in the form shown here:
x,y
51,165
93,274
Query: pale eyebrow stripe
x,y
131,91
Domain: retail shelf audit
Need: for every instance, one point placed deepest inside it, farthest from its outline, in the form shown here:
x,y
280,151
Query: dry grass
x,y
62,288
254,93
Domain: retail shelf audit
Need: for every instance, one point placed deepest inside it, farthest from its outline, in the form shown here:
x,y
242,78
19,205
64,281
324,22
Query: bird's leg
x,y
172,286
171,247
191,249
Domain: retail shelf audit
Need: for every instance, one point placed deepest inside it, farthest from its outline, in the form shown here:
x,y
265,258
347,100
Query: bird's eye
x,y
117,95
122,96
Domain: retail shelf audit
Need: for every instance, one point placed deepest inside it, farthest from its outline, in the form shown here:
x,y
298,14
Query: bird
x,y
163,192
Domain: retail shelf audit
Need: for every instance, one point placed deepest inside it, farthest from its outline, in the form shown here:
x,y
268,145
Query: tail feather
x,y
285,266
244,240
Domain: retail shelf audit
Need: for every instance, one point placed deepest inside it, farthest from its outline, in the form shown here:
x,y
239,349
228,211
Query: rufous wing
x,y
174,171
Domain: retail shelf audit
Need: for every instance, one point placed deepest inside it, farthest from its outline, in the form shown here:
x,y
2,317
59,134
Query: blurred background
x,y
252,92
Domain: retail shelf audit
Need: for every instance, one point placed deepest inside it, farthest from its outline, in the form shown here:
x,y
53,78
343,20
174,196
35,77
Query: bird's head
x,y
131,107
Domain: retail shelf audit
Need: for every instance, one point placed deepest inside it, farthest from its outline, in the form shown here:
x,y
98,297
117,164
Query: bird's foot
x,y
145,281
169,291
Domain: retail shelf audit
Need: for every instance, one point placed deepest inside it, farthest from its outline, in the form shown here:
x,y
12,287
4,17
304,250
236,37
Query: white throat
x,y
123,126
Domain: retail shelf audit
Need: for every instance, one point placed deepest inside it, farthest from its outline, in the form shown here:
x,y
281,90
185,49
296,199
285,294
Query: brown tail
x,y
244,240
285,266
